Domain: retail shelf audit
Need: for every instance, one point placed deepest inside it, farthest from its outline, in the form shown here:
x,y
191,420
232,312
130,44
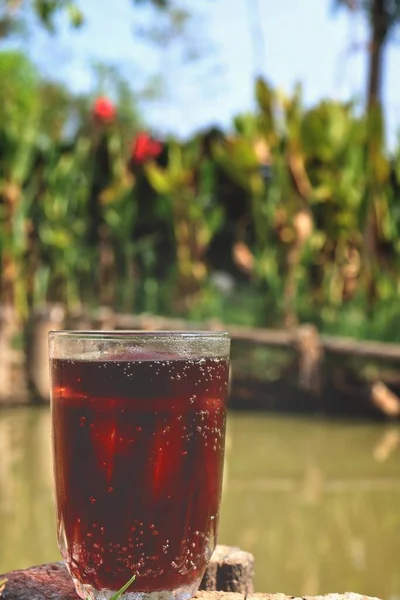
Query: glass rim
x,y
118,334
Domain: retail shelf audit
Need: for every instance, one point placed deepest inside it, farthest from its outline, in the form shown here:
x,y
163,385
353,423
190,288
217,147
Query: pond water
x,y
317,502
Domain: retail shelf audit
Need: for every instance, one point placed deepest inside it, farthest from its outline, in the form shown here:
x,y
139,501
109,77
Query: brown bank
x,y
288,371
229,576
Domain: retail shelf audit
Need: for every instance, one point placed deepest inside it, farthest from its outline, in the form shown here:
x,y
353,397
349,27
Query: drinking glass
x,y
138,443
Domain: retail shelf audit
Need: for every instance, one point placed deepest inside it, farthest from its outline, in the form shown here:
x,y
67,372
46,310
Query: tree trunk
x,y
379,27
379,23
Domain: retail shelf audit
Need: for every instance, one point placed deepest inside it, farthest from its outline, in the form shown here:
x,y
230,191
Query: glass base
x,y
88,592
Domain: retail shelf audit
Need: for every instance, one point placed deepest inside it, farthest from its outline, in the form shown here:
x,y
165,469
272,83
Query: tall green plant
x,y
118,209
19,133
186,186
64,269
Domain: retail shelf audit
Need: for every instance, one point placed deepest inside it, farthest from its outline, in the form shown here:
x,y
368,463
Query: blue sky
x,y
303,41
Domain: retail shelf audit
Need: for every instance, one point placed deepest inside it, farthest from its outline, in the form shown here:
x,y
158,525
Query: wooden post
x,y
37,358
310,350
104,319
10,358
230,569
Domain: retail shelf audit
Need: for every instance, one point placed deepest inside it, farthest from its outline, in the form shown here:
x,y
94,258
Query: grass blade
x,y
123,589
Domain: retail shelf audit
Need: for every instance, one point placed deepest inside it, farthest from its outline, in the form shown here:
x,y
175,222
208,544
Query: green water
x,y
317,502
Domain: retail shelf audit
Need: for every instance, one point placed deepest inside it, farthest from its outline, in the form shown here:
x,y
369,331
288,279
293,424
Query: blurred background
x,y
220,164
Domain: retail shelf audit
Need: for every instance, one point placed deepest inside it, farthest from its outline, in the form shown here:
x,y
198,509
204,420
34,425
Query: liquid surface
x,y
317,502
138,451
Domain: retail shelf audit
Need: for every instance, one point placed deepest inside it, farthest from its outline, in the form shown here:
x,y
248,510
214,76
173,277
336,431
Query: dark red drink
x,y
138,449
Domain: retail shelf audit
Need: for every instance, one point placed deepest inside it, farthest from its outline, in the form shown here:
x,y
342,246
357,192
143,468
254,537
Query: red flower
x,y
145,148
104,110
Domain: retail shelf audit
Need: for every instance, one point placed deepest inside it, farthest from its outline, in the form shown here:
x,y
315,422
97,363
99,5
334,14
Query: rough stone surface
x,y
52,582
207,595
45,582
346,596
229,570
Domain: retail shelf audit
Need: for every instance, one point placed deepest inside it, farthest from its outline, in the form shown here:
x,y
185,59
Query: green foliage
x,y
13,13
123,589
281,206
186,187
20,89
46,10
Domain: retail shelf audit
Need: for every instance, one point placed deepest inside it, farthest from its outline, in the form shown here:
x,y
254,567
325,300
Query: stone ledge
x,y
45,582
204,595
229,576
345,596
230,569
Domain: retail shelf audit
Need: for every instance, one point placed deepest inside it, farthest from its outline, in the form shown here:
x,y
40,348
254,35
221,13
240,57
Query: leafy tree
x,y
12,12
46,11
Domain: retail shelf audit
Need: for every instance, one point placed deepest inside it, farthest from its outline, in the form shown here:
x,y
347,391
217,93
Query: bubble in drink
x,y
140,471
